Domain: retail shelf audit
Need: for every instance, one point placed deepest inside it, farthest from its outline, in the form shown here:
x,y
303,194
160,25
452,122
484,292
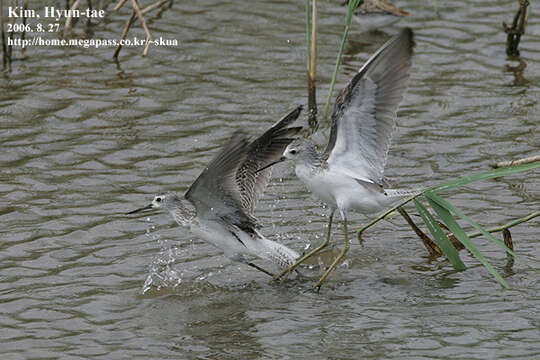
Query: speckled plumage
x,y
349,174
219,205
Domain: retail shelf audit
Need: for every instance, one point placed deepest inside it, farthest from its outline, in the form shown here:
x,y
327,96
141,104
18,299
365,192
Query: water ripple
x,y
83,140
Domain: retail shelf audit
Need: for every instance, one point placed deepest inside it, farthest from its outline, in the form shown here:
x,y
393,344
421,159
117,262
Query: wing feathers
x,y
215,193
229,187
263,150
364,113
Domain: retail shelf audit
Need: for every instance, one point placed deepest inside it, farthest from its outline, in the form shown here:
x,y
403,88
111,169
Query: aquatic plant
x,y
449,236
449,215
138,13
517,29
353,4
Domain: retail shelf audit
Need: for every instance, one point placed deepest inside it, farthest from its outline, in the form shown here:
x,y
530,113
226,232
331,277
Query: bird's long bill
x,y
146,208
281,159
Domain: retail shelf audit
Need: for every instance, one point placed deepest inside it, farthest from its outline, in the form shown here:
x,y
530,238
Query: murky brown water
x,y
82,141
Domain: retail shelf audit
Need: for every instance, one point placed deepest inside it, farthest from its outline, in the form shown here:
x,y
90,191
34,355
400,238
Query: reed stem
x,y
518,28
312,70
69,20
508,225
4,48
23,35
526,160
353,4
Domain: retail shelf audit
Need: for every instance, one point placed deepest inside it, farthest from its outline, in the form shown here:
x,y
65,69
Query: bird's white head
x,y
300,150
165,201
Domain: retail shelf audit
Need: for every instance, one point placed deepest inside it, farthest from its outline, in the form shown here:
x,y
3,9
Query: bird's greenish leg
x,y
338,259
260,269
312,252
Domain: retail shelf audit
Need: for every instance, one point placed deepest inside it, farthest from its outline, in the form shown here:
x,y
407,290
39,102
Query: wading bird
x,y
348,175
219,205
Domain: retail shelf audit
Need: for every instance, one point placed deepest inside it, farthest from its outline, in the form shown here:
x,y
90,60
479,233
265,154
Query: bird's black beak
x,y
281,159
146,208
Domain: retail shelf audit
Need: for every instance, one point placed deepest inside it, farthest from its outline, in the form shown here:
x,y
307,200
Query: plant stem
x,y
313,66
69,18
312,70
308,35
119,5
128,24
492,174
10,36
385,214
509,244
155,6
507,225
526,160
23,35
430,245
4,49
518,28
132,19
149,38
353,4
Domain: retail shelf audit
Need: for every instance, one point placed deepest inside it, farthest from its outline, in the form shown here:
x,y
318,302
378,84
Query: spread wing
x,y
268,148
229,187
215,193
364,113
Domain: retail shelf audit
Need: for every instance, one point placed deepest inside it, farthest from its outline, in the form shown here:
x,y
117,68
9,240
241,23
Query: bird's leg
x,y
261,269
312,252
340,256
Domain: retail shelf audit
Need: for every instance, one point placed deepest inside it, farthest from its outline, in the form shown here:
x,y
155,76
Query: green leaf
x,y
490,174
442,202
460,234
353,4
308,34
440,237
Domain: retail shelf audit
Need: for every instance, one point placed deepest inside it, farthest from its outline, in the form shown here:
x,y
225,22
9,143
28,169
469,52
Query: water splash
x,y
162,274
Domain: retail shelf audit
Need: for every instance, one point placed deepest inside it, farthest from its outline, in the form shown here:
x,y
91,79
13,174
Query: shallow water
x,y
83,140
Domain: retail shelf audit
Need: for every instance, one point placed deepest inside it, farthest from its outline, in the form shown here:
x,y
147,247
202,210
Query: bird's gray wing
x,y
215,193
364,113
229,187
266,149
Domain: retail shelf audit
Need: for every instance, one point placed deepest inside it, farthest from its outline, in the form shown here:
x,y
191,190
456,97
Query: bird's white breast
x,y
317,182
342,191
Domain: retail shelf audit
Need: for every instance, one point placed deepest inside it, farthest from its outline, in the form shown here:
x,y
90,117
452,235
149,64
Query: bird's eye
x,y
158,199
293,151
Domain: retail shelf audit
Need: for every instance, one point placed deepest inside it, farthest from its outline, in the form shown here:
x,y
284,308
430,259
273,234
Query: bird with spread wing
x,y
219,205
348,175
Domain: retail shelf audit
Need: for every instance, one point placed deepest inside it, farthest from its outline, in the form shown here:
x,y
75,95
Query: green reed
x,y
449,214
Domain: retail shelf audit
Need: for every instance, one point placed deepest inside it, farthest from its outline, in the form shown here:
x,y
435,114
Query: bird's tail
x,y
402,192
278,253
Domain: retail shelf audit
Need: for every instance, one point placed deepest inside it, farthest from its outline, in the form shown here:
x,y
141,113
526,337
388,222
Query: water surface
x,y
83,140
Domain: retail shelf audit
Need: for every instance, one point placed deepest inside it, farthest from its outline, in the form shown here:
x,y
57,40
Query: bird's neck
x,y
182,212
311,159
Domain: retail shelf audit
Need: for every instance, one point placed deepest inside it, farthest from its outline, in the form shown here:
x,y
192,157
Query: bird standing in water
x,y
219,205
348,175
